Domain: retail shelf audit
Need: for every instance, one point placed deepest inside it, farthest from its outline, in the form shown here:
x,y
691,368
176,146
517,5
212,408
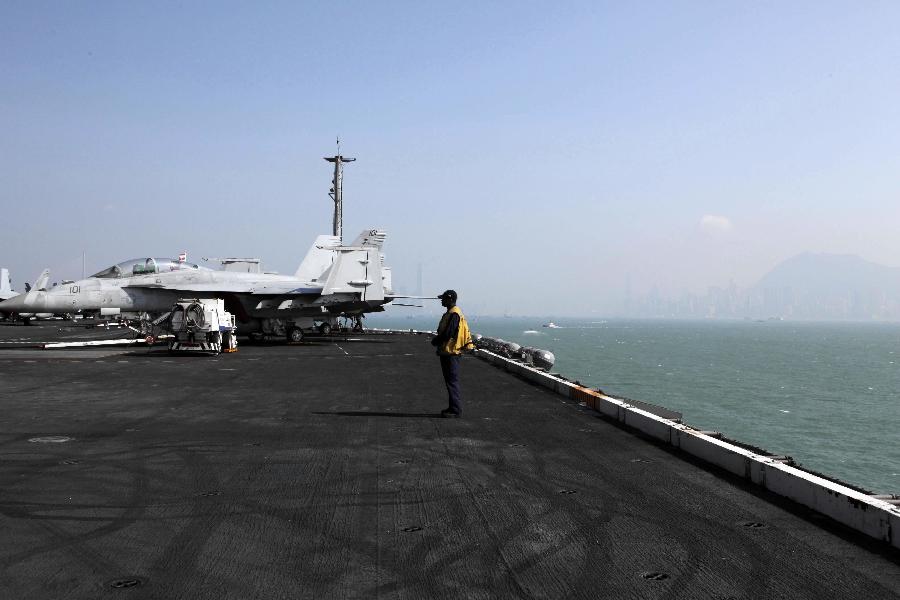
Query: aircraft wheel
x,y
325,328
295,334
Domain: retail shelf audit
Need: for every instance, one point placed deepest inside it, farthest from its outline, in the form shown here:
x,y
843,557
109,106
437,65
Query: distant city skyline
x,y
732,302
808,286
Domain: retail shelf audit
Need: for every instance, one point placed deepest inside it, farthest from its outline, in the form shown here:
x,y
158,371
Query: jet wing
x,y
287,288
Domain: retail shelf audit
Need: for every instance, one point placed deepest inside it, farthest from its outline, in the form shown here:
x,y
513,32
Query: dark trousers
x,y
450,368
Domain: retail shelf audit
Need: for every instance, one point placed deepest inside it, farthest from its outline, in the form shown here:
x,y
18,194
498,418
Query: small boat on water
x,y
551,325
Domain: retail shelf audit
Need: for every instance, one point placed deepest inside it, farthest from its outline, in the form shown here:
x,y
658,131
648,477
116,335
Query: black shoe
x,y
449,414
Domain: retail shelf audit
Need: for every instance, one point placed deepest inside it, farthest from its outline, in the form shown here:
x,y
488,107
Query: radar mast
x,y
336,190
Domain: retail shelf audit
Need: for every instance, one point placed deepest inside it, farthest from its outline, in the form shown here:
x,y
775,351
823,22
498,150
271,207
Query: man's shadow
x,y
362,413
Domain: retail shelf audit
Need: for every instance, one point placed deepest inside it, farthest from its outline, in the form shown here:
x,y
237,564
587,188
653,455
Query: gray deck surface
x,y
319,471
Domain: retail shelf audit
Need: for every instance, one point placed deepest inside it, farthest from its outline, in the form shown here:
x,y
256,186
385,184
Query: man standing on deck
x,y
452,337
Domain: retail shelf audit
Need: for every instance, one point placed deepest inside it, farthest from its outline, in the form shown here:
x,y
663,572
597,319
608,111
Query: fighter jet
x,y
332,280
6,291
25,301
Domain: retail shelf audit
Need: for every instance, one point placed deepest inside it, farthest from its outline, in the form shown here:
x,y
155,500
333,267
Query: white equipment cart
x,y
202,326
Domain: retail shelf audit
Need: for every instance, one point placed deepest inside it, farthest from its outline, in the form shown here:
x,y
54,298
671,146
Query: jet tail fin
x,y
356,270
40,284
5,285
318,259
370,237
386,278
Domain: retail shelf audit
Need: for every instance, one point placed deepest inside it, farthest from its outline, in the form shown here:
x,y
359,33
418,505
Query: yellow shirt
x,y
463,339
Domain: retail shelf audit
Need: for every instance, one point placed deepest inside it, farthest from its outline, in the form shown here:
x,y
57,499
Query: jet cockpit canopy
x,y
146,266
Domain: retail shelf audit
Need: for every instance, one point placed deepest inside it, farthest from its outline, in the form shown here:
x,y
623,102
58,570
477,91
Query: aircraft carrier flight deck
x,y
322,470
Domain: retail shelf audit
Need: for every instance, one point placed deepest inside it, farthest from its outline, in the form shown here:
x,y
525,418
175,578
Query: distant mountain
x,y
808,286
827,286
831,274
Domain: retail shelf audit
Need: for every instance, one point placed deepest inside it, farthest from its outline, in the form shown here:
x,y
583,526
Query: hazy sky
x,y
534,156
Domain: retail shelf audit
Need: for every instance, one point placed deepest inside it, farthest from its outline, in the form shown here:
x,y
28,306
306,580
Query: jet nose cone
x,y
14,304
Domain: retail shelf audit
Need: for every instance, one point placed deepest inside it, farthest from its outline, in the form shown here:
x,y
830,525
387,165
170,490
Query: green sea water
x,y
827,394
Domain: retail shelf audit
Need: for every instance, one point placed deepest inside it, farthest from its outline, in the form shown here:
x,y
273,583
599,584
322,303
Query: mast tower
x,y
336,191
